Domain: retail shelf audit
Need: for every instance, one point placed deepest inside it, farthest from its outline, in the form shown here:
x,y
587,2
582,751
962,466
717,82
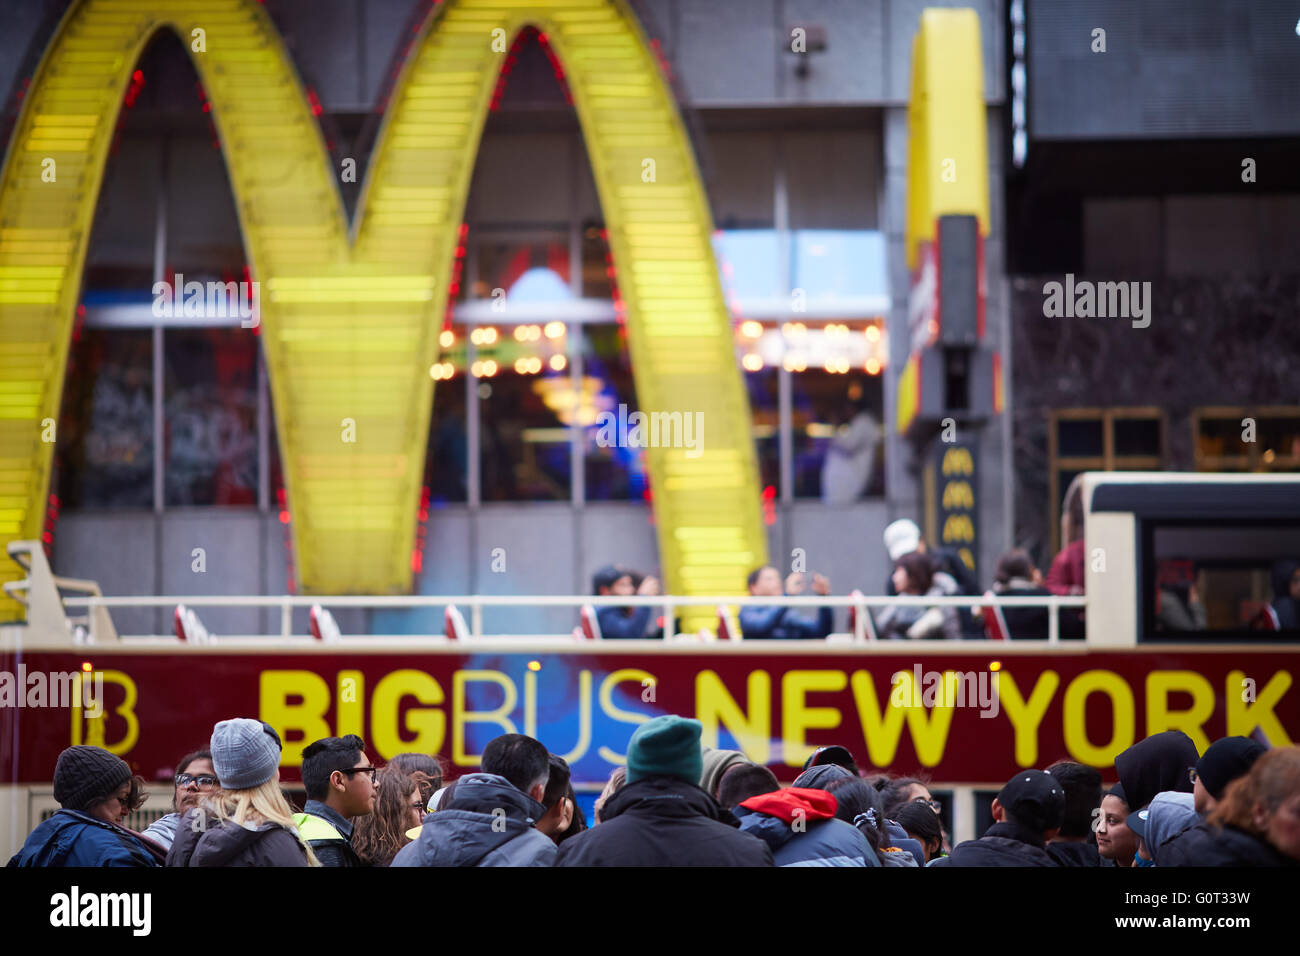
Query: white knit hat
x,y
902,537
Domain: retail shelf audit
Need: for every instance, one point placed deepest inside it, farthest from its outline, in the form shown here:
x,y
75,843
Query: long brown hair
x,y
379,835
1274,777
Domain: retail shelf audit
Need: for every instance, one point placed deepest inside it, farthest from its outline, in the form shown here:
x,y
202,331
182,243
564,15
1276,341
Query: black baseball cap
x,y
833,754
1034,799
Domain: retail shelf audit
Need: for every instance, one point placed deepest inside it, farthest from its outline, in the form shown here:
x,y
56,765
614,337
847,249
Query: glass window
x,y
1235,579
210,411
1137,436
446,469
1077,438
834,409
524,430
104,453
765,406
532,268
613,473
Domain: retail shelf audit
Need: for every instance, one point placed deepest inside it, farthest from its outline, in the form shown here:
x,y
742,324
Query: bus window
x,y
1219,581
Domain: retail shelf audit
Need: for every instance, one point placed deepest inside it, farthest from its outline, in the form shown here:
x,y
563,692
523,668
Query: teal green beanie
x,y
666,745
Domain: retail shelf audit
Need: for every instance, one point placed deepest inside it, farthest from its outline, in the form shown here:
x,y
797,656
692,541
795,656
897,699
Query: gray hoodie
x,y
489,822
1170,814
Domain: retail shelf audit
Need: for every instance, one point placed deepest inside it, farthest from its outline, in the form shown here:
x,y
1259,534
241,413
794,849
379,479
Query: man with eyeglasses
x,y
195,779
341,786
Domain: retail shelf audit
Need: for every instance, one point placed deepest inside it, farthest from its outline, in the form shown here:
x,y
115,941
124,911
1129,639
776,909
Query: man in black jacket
x,y
1075,844
661,817
1028,811
340,783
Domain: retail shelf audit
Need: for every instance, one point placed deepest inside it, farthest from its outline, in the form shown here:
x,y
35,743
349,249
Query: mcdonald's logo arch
x,y
350,312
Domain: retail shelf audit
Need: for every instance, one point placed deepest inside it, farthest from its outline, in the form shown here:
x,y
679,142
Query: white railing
x,y
863,629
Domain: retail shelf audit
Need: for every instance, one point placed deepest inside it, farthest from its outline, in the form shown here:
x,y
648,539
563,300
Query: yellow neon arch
x,y
350,329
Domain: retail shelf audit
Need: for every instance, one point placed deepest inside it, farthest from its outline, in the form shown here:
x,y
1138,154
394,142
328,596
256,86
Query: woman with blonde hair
x,y
249,823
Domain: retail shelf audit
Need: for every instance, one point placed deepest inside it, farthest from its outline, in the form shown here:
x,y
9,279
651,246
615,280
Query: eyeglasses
x,y
370,770
204,781
934,805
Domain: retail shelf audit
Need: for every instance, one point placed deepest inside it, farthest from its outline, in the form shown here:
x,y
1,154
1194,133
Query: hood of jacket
x,y
1152,766
486,812
717,763
1170,814
226,841
665,796
771,816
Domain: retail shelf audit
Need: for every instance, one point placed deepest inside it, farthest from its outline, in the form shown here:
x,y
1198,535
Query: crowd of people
x,y
675,803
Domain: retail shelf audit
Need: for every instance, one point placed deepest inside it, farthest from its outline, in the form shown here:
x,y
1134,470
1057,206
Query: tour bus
x,y
1184,624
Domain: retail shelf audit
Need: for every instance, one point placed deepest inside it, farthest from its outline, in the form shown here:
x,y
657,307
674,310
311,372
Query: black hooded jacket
x,y
229,844
1206,845
1159,763
1074,854
1003,844
664,821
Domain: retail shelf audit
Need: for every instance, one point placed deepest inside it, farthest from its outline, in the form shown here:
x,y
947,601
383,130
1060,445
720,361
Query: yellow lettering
x,y
608,708
307,718
714,706
1160,718
797,717
1244,717
460,716
1076,702
882,729
1027,716
428,723
584,718
96,727
349,718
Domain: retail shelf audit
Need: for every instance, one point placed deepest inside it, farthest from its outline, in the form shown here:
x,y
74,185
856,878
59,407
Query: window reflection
x,y
210,411
104,453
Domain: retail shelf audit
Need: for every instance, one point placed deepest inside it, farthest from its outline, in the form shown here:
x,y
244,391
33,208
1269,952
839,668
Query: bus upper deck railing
x,y
863,630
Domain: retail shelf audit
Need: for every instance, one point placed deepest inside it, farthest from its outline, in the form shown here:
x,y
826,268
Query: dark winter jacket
x,y
489,822
1003,844
203,841
1206,845
1024,623
1074,854
800,827
664,821
1154,765
329,834
73,838
615,625
783,624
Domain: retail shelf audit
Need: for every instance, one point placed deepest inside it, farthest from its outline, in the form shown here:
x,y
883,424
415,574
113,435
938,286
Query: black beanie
x,y
1225,760
85,775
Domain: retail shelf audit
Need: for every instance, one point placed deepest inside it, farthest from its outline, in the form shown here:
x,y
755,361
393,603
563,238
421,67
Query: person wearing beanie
x,y
248,822
716,765
661,817
96,791
1028,813
1223,762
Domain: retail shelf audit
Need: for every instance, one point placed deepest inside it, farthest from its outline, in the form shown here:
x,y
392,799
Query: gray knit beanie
x,y
245,753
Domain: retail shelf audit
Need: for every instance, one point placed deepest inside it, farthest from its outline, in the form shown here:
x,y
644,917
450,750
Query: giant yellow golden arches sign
x,y
350,327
